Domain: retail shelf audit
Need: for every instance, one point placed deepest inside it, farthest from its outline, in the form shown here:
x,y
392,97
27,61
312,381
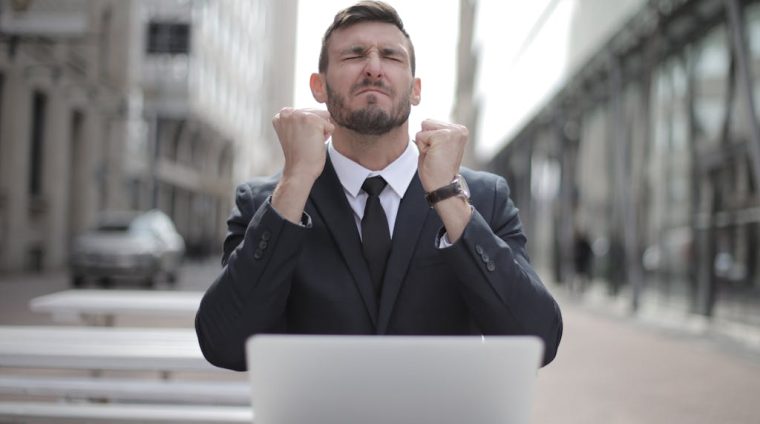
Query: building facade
x,y
649,149
113,104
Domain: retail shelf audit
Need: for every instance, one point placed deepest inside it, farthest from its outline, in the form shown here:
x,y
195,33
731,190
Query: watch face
x,y
463,184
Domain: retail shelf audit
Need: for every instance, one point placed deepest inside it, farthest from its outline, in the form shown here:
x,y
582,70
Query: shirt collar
x,y
398,174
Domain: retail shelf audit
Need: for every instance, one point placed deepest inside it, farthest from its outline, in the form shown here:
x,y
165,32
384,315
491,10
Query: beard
x,y
371,119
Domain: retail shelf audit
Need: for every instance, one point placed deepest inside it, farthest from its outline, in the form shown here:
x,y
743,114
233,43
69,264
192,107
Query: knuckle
x,y
310,118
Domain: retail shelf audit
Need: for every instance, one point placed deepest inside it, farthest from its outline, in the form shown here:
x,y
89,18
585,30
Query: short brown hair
x,y
364,11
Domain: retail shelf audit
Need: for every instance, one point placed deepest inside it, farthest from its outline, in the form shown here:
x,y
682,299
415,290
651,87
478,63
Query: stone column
x,y
55,177
113,156
79,187
89,177
14,184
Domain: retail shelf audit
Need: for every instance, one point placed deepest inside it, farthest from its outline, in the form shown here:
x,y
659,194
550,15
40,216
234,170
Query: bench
x,y
47,412
98,348
108,398
101,307
213,392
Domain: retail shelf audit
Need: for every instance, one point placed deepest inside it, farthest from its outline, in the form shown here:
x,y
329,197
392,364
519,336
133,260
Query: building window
x,y
39,104
168,37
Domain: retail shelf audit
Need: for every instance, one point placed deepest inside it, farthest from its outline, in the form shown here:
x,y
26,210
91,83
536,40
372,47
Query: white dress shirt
x,y
398,174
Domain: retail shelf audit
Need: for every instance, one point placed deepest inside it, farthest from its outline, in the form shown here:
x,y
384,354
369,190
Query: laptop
x,y
392,379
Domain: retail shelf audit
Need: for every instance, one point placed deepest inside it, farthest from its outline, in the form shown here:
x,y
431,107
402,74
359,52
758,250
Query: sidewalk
x,y
17,289
613,369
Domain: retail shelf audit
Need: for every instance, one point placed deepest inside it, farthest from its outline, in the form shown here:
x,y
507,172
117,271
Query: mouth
x,y
371,90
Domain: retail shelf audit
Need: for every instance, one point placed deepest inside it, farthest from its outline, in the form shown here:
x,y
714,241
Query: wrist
x,y
300,176
289,197
455,213
433,184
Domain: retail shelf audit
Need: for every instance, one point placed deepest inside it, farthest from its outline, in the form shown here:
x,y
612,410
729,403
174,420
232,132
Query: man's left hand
x,y
441,147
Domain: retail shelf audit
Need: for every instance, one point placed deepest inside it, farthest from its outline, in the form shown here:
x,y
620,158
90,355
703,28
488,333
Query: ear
x,y
318,87
416,92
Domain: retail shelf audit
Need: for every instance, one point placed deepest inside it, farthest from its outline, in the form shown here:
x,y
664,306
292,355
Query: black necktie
x,y
376,239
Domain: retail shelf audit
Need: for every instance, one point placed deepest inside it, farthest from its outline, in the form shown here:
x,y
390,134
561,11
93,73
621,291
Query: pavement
x,y
618,370
611,368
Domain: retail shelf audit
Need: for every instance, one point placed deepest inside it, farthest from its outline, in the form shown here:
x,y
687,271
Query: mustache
x,y
367,83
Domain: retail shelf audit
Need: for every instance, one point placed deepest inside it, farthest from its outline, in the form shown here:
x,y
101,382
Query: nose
x,y
374,67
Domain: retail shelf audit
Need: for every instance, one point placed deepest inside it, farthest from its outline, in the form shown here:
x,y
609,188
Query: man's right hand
x,y
302,134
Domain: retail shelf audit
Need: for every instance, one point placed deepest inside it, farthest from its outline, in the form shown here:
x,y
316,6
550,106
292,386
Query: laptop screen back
x,y
392,379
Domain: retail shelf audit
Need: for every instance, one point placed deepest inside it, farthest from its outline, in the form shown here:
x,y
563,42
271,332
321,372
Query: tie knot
x,y
374,185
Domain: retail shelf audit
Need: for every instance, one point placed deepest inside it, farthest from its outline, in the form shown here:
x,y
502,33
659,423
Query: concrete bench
x,y
211,392
98,348
101,307
48,412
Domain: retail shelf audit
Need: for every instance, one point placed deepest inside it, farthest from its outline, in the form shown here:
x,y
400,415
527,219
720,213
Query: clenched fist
x,y
302,134
441,147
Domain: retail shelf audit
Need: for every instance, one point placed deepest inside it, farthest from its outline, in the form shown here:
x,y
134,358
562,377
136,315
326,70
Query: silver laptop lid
x,y
392,379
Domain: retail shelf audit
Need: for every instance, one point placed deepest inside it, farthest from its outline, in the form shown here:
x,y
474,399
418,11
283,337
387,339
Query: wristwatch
x,y
458,187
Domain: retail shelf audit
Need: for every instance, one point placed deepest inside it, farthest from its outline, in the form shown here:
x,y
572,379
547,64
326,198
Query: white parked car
x,y
142,246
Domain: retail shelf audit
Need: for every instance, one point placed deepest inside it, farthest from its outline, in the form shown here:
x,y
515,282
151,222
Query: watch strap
x,y
443,193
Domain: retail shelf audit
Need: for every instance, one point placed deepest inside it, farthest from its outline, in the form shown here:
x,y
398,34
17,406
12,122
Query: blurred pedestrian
x,y
583,259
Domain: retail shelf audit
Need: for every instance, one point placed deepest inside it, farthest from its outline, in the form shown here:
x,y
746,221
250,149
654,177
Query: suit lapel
x,y
329,200
412,213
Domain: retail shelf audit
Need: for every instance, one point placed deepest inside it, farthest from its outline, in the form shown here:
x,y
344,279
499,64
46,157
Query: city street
x,y
626,134
610,369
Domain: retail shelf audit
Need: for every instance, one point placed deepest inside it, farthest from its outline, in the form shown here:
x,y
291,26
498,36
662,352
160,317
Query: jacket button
x,y
258,254
485,257
263,245
266,235
491,266
478,249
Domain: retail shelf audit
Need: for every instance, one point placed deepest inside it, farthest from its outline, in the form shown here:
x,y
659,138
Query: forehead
x,y
368,34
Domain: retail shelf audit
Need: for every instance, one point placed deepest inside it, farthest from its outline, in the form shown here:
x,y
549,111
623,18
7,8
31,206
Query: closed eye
x,y
355,52
392,54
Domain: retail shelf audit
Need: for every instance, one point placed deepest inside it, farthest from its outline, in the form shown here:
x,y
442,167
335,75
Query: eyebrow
x,y
390,51
354,50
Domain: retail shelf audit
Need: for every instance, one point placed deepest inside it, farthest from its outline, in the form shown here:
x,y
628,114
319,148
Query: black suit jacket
x,y
279,277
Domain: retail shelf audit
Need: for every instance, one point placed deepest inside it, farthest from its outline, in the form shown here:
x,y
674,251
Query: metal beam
x,y
624,200
739,43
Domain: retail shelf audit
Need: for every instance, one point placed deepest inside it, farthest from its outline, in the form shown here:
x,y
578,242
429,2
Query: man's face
x,y
369,87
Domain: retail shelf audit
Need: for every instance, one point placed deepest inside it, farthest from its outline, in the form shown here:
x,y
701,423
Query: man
x,y
365,232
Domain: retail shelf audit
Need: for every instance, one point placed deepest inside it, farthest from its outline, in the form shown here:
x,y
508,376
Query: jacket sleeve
x,y
500,286
250,294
